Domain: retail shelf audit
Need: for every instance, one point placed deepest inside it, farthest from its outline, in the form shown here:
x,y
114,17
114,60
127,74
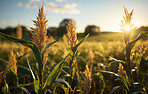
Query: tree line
x,y
61,30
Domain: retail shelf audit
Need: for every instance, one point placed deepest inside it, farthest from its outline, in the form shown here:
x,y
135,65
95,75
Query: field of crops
x,y
90,65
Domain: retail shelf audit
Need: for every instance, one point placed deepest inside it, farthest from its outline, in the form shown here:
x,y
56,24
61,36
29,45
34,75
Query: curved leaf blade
x,y
25,43
34,48
114,89
54,74
25,90
141,35
76,47
114,74
64,82
33,76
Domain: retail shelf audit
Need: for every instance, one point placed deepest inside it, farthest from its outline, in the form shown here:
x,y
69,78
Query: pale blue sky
x,y
104,13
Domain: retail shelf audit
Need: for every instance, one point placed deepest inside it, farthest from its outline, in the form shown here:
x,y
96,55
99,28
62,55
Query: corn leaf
x,y
2,61
33,76
25,90
36,86
111,64
114,89
76,47
9,66
54,74
64,82
120,77
141,35
124,64
99,53
30,45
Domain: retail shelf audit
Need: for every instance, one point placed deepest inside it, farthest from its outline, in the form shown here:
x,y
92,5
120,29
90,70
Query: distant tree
x,y
52,31
25,31
62,27
12,31
92,30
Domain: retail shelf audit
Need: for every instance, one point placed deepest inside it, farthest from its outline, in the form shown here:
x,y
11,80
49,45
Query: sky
x,y
107,14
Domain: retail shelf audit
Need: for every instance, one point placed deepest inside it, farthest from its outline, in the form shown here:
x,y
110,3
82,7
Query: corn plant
x,y
73,75
128,79
38,47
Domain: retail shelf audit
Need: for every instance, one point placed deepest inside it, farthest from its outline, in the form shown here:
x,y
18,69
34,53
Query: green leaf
x,y
76,47
23,67
141,35
48,45
9,67
23,85
33,76
54,74
34,49
2,61
64,76
36,86
25,90
99,53
114,74
107,72
64,82
124,64
111,64
114,89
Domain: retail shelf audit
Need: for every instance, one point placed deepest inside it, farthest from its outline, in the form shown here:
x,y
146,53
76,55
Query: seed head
x,y
121,70
71,34
126,25
12,60
39,34
87,80
19,31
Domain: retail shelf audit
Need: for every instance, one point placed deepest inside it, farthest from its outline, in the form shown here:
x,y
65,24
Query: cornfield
x,y
72,66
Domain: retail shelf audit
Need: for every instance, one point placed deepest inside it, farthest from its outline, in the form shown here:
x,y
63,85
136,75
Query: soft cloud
x,y
32,3
19,4
3,22
60,0
67,8
50,6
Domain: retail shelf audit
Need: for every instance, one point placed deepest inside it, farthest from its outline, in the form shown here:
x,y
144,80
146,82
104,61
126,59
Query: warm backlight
x,y
127,28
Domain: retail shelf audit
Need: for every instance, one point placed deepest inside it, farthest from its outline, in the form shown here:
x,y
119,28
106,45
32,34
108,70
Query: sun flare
x,y
127,27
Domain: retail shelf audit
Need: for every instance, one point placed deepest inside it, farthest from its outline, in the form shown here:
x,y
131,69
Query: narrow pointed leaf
x,y
25,90
114,89
31,70
54,73
115,63
76,47
114,74
36,86
64,82
141,35
108,72
26,43
2,61
99,53
34,49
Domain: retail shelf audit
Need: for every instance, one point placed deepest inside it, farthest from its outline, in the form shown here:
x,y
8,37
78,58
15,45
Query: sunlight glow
x,y
127,28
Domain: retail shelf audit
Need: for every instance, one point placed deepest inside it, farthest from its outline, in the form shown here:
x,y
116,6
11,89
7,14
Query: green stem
x,y
128,51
